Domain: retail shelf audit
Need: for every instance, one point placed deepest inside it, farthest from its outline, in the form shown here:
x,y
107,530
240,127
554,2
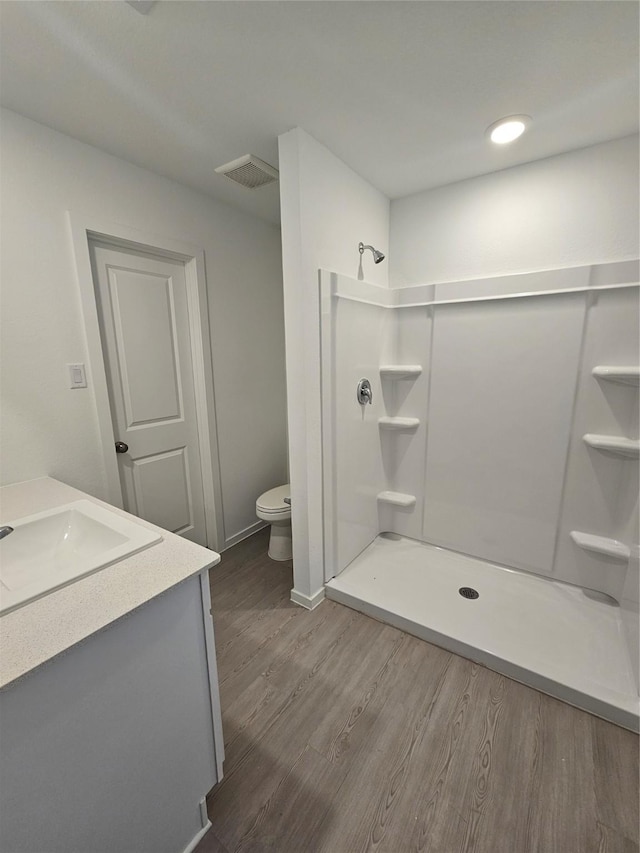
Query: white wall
x,y
326,210
573,209
50,430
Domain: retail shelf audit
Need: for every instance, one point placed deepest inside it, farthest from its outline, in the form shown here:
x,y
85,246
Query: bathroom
x,y
484,214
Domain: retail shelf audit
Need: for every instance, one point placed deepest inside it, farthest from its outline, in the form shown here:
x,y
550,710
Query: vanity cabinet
x,y
113,745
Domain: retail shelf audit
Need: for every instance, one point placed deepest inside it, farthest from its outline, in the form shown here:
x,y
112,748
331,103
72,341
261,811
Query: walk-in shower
x,y
499,455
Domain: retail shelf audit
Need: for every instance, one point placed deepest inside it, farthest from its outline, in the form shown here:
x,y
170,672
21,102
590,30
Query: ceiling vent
x,y
249,171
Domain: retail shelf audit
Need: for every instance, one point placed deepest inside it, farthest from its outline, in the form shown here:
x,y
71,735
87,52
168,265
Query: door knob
x,y
121,447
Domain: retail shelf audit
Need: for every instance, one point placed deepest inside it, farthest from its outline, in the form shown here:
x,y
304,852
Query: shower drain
x,y
468,592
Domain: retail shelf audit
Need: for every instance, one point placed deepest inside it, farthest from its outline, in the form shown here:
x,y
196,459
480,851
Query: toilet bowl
x,y
271,507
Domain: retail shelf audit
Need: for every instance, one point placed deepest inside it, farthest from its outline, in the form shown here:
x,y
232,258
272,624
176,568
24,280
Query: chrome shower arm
x,y
377,256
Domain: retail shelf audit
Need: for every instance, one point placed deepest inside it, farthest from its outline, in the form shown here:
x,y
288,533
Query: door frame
x,y
84,228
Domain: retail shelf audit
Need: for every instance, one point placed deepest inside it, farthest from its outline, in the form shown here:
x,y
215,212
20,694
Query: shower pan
x,y
487,499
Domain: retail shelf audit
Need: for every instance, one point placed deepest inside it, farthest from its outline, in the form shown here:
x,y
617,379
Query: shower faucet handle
x,y
364,393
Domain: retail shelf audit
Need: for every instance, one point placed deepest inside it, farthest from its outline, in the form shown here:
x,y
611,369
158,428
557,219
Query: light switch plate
x,y
77,376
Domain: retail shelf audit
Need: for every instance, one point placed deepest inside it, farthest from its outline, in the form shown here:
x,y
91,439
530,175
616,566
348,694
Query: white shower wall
x,y
503,376
403,452
601,489
355,335
497,464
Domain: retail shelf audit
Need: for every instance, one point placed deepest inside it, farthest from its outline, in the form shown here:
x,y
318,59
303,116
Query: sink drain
x,y
468,592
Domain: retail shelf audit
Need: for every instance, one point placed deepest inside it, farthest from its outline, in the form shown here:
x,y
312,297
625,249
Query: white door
x,y
144,325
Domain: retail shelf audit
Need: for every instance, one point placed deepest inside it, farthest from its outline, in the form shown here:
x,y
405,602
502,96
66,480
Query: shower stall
x,y
484,494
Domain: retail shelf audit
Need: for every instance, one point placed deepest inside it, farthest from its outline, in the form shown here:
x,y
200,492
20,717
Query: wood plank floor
x,y
343,734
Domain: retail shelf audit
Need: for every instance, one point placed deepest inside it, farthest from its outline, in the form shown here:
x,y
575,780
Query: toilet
x,y
271,507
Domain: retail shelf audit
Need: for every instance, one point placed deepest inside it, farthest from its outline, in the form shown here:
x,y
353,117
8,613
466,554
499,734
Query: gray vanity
x,y
110,727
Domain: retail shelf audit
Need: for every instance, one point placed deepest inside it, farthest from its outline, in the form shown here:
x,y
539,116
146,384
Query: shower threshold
x,y
552,636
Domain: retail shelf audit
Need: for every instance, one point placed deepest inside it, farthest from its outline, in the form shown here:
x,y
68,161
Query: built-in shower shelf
x,y
397,499
601,545
614,444
626,375
401,371
398,423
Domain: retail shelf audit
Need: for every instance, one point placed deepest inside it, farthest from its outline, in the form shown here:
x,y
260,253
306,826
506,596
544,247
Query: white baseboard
x,y
243,534
308,601
191,846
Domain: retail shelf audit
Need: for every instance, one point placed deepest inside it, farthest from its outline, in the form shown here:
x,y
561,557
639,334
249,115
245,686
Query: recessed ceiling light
x,y
507,129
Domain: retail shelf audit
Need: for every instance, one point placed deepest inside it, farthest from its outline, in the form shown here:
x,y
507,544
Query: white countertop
x,y
48,626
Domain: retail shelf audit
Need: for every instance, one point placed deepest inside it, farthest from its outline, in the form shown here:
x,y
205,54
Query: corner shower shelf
x,y
401,371
614,444
626,375
397,499
398,423
601,545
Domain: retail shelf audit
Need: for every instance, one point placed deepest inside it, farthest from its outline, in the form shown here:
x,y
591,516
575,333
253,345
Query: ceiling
x,y
401,91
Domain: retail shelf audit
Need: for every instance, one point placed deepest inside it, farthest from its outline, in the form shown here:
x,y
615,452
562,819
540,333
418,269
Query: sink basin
x,y
57,547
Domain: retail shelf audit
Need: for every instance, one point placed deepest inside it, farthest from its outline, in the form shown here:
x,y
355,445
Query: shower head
x,y
378,257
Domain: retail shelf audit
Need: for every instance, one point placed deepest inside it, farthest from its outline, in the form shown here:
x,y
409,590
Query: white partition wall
x,y
326,209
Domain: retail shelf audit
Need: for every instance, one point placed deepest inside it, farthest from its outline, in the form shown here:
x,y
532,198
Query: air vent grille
x,y
249,171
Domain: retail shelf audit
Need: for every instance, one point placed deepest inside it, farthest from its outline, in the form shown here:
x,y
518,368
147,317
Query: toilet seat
x,y
272,503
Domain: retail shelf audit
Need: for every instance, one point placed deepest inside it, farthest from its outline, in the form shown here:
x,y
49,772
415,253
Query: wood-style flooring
x,y
343,734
